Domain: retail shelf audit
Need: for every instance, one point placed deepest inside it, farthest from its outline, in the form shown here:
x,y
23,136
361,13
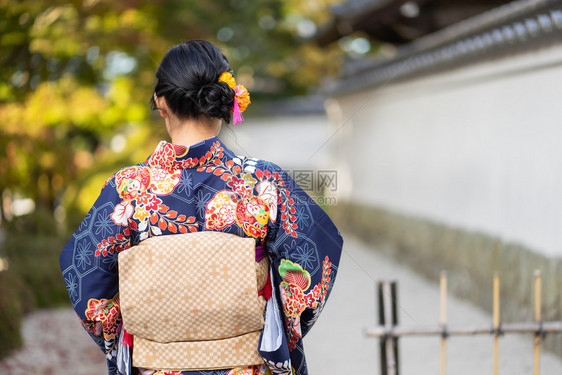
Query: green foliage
x,y
32,246
10,313
33,278
35,260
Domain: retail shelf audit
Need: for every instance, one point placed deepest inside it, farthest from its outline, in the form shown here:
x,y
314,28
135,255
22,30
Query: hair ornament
x,y
227,78
241,97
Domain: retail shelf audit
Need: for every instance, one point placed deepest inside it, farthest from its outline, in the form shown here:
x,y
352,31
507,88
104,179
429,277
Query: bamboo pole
x,y
443,320
437,330
537,349
382,323
496,321
394,296
391,361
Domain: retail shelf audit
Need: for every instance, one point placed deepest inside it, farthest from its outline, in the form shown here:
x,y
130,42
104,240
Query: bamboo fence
x,y
389,331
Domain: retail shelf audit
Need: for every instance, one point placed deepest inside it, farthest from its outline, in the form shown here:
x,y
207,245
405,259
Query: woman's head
x,y
188,79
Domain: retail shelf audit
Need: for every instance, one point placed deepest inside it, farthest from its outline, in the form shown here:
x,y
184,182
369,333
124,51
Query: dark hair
x,y
188,79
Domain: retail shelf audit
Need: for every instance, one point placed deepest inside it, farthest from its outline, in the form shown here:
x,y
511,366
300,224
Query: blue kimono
x,y
181,189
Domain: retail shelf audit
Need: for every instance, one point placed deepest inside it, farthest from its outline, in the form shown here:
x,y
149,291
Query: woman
x,y
193,184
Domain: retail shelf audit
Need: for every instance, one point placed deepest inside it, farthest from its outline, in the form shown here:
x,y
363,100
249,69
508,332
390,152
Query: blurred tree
x,y
64,88
74,74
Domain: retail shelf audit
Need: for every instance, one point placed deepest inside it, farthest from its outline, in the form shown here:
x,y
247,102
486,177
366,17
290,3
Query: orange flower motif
x,y
242,96
228,79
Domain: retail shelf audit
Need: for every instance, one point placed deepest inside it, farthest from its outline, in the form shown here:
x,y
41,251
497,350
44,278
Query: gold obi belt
x,y
191,301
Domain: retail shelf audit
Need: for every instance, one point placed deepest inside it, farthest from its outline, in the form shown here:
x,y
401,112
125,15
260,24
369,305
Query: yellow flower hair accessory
x,y
227,78
241,97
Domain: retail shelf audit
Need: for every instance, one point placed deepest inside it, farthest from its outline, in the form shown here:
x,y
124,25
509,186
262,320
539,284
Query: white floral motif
x,y
268,192
123,211
304,256
71,286
83,256
280,368
103,224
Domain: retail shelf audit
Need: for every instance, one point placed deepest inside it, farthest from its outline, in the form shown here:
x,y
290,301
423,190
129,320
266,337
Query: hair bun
x,y
188,79
216,100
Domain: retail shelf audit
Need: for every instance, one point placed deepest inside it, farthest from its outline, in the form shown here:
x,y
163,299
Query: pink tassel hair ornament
x,y
237,117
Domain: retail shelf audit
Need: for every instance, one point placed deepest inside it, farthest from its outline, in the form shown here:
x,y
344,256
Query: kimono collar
x,y
171,156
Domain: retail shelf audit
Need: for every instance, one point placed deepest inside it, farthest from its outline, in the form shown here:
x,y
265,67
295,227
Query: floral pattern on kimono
x,y
181,189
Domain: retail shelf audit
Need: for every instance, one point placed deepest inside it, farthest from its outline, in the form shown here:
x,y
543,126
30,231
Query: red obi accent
x,y
267,289
128,339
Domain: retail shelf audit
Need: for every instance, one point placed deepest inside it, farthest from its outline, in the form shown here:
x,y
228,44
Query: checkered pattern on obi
x,y
198,355
195,291
262,273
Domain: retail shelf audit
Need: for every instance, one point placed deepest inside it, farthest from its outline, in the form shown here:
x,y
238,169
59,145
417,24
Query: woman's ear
x,y
161,106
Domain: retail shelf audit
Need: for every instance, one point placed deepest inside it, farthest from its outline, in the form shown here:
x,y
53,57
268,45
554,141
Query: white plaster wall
x,y
292,142
479,147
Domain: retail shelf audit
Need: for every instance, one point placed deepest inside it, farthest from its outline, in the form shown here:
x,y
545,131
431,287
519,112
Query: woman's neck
x,y
189,132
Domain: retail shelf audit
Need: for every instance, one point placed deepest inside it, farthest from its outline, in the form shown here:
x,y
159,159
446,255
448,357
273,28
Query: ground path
x,y
55,342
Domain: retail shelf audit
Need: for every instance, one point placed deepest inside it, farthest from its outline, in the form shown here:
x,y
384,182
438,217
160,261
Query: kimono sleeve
x,y
305,247
89,266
